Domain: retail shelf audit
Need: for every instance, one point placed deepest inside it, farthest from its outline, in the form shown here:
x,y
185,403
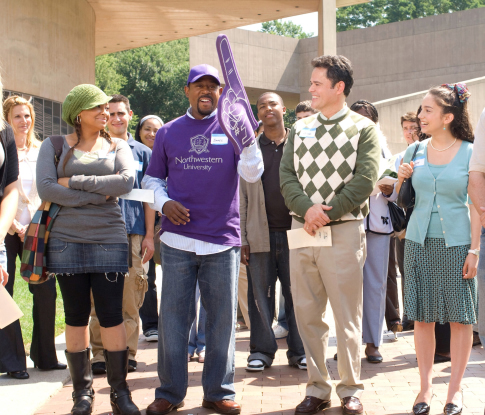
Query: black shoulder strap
x,y
58,143
415,151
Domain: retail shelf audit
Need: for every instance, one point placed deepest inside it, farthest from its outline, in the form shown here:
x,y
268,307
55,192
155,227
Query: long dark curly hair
x,y
449,101
421,136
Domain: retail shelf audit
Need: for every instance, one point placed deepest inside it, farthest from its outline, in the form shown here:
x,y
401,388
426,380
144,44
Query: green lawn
x,y
23,298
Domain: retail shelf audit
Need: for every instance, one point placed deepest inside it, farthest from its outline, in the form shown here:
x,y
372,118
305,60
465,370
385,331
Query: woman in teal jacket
x,y
442,239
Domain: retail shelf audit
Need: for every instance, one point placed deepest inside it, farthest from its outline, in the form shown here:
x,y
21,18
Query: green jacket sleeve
x,y
359,188
295,198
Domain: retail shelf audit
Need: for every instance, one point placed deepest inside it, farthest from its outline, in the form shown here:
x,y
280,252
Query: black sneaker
x,y
151,335
99,368
131,365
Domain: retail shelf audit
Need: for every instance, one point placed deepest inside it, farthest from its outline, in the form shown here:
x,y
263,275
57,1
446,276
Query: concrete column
x,y
327,27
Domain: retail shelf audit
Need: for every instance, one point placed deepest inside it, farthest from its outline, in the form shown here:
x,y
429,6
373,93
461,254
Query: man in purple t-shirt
x,y
194,172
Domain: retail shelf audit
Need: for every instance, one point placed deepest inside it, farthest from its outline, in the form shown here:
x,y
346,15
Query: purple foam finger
x,y
234,110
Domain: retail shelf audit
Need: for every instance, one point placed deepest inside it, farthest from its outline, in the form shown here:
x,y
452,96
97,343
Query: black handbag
x,y
406,196
398,217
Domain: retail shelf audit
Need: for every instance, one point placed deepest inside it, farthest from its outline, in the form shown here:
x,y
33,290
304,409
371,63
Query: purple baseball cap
x,y
199,71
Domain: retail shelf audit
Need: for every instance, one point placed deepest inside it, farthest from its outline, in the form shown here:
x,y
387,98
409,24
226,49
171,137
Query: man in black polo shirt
x,y
264,222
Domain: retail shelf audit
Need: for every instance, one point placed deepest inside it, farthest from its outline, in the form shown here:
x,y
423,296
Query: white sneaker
x,y
202,356
302,364
280,332
255,366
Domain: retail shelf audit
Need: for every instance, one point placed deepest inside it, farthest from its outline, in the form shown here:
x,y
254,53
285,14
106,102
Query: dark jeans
x,y
107,289
263,271
393,313
217,277
149,309
42,349
281,314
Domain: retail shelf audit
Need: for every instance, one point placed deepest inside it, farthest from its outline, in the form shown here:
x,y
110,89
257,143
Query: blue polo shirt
x,y
132,211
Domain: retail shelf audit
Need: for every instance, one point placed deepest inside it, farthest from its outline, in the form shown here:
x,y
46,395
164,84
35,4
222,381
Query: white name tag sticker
x,y
299,238
307,132
138,165
419,162
140,195
106,155
219,139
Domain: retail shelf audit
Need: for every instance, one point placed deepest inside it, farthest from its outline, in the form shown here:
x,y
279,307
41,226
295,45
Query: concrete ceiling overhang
x,y
128,24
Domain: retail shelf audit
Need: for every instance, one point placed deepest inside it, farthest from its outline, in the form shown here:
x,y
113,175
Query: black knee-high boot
x,y
120,396
82,382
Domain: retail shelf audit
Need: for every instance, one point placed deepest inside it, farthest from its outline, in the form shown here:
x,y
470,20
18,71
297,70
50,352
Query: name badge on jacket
x,y
419,162
307,132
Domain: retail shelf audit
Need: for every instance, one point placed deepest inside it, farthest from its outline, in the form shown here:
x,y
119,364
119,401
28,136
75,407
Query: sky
x,y
309,23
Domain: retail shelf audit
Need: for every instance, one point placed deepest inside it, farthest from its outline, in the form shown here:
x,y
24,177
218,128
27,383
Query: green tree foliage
x,y
287,29
107,77
379,12
152,77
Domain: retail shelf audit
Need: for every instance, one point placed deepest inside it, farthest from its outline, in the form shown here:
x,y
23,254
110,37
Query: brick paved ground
x,y
390,387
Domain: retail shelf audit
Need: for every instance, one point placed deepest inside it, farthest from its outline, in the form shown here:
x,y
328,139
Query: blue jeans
x,y
481,289
80,258
217,278
264,268
281,314
197,331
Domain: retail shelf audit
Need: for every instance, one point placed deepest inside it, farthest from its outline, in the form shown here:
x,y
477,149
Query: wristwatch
x,y
474,252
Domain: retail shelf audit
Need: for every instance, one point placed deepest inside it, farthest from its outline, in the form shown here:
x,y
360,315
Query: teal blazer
x,y
450,191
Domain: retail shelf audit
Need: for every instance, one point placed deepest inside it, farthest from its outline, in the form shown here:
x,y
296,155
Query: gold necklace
x,y
434,148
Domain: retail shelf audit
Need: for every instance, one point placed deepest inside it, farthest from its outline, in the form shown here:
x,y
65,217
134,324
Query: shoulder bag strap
x,y
58,143
415,151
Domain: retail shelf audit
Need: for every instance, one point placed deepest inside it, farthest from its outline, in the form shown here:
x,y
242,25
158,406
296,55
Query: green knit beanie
x,y
82,97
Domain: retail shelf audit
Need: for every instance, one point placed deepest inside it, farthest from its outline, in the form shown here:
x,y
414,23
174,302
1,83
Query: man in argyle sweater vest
x,y
328,170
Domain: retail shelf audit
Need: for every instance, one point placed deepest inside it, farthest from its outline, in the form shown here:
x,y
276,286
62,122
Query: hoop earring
x,y
78,119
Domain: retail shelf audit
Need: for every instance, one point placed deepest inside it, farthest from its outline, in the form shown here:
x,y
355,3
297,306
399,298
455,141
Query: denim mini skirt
x,y
80,258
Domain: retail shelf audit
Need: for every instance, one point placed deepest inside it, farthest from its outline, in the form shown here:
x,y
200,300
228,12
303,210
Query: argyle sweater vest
x,y
325,154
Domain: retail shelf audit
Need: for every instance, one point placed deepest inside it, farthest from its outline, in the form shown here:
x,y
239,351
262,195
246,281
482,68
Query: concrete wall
x,y
405,57
389,60
48,47
391,110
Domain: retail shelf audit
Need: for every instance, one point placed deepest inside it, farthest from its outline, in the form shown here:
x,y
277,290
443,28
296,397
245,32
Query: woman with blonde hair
x,y
19,113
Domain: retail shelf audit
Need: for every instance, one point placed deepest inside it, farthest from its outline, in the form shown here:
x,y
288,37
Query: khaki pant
x,y
336,274
136,285
242,293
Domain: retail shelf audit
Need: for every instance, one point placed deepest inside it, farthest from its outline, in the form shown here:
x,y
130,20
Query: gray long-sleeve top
x,y
86,215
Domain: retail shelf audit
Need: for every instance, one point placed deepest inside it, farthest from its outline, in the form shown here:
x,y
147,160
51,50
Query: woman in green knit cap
x,y
88,247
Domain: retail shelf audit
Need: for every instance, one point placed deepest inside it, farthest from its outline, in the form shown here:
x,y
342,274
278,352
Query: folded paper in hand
x,y
140,195
299,238
386,181
9,311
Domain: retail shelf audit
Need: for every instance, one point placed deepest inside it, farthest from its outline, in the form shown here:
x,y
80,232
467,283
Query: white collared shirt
x,y
339,114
